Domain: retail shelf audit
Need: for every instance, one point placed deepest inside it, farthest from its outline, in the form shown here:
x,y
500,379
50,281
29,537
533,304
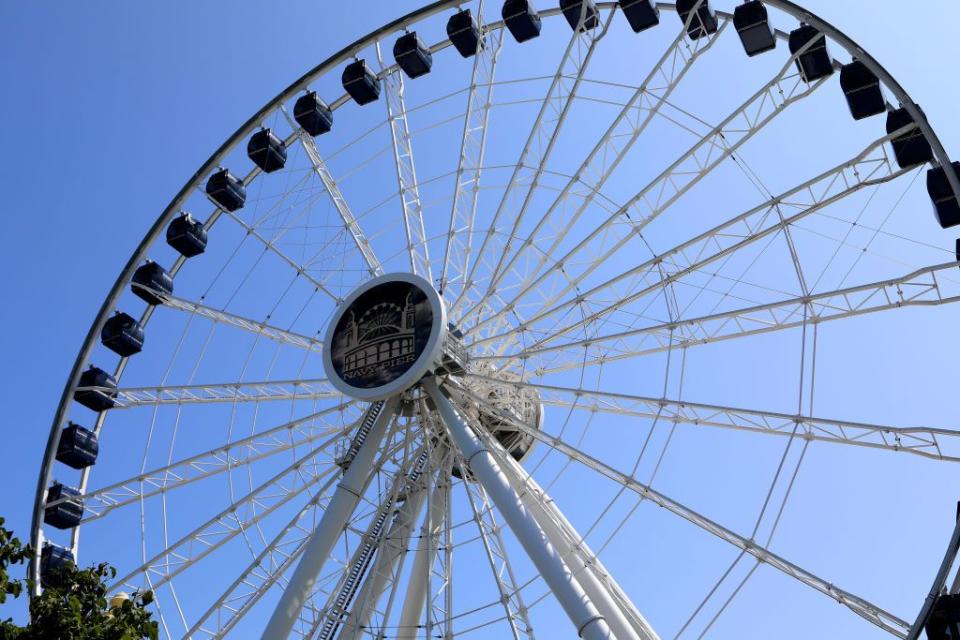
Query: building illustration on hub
x,y
382,338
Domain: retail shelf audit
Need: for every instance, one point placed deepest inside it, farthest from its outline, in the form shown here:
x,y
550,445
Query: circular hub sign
x,y
384,337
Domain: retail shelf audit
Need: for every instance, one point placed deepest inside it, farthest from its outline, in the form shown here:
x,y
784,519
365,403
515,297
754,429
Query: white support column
x,y
423,563
584,615
625,620
318,548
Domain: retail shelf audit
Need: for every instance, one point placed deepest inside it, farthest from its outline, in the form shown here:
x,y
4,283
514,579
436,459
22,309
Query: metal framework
x,y
378,502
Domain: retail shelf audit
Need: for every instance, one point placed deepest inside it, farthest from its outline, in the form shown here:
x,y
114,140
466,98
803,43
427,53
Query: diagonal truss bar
x,y
867,610
224,317
928,442
617,141
871,167
920,288
225,392
783,90
546,126
239,453
406,170
472,147
336,197
228,523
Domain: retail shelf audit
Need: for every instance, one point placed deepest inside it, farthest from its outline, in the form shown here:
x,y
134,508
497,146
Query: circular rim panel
x,y
384,337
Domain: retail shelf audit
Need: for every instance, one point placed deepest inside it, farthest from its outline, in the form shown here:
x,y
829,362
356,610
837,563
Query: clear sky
x,y
111,106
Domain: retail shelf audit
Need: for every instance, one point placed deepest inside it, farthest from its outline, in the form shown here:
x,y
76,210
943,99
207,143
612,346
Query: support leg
x,y
609,598
423,563
584,615
321,542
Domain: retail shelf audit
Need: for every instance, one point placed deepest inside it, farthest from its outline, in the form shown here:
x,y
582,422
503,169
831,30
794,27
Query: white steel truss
x,y
336,197
785,89
467,191
270,245
869,168
635,116
417,245
266,570
536,150
929,442
921,288
867,610
239,453
253,326
229,523
225,392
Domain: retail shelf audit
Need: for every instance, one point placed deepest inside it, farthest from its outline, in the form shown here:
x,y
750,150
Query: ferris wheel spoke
x,y
224,317
928,442
718,145
865,609
406,171
532,181
270,245
330,185
922,288
472,146
267,391
262,501
100,502
635,116
870,168
514,608
532,160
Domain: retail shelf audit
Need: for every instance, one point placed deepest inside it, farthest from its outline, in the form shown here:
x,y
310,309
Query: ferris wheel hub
x,y
388,334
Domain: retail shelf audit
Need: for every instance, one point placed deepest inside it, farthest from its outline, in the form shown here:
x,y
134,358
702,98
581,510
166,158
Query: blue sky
x,y
112,106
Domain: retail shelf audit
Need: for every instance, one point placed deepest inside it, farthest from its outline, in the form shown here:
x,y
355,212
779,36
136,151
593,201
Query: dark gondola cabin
x,y
360,82
464,33
574,10
945,205
862,90
97,390
267,151
187,235
522,20
702,22
815,61
944,622
66,514
226,191
412,55
53,558
78,447
151,283
753,27
313,114
122,334
640,14
910,148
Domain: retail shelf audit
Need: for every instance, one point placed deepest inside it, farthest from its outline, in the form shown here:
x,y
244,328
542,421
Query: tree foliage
x,y
73,604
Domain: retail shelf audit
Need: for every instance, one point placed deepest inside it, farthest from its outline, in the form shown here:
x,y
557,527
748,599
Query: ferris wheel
x,y
512,321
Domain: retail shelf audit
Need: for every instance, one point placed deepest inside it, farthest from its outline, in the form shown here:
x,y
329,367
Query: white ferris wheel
x,y
512,320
